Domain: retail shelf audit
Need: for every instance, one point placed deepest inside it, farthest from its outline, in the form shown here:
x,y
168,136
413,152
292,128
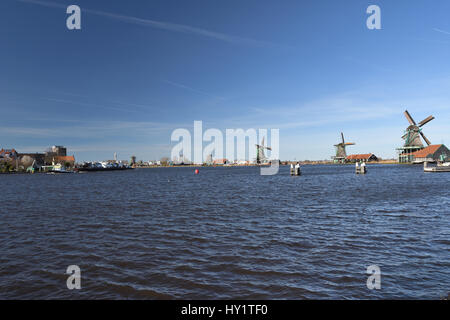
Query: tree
x,y
164,161
6,166
26,161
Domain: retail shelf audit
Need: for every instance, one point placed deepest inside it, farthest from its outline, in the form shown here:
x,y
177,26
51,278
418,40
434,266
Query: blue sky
x,y
139,69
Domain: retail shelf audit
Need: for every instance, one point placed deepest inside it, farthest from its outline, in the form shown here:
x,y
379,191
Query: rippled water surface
x,y
226,233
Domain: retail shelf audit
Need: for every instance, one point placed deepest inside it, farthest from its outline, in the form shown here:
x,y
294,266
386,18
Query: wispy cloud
x,y
441,31
168,26
341,109
90,105
97,140
367,64
133,105
95,130
179,85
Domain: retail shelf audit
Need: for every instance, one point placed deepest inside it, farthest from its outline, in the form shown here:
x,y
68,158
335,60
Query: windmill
x,y
411,136
341,154
412,139
260,156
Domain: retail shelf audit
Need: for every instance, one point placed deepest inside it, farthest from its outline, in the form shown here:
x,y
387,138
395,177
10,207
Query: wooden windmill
x,y
414,131
341,153
260,156
412,139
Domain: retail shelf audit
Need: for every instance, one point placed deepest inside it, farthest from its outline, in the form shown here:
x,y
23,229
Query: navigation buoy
x,y
196,171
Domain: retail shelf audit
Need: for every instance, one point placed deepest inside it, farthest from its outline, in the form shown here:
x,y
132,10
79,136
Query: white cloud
x,y
441,31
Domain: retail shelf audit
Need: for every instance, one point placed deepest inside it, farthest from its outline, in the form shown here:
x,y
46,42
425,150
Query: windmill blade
x,y
262,143
342,135
425,121
425,138
268,148
410,119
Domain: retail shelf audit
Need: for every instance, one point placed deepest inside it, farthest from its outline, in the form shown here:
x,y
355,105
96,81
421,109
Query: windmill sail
x,y
414,132
425,121
409,118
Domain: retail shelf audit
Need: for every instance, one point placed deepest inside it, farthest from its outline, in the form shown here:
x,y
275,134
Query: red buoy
x,y
196,171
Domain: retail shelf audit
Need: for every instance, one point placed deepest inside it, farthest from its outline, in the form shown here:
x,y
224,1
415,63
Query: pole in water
x,y
295,170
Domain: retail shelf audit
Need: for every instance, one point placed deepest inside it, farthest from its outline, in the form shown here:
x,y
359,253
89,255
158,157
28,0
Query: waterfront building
x,y
8,154
65,160
432,153
220,161
59,151
361,158
53,152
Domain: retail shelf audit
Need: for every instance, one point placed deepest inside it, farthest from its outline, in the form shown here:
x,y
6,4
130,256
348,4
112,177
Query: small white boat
x,y
441,167
59,168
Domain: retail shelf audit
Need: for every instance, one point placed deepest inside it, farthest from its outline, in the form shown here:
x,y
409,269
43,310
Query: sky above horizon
x,y
137,70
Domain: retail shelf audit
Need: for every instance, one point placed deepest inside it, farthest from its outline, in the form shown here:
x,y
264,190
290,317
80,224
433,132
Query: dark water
x,y
226,233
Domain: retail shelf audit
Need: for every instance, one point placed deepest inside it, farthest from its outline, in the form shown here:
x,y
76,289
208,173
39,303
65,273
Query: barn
x,y
368,157
432,153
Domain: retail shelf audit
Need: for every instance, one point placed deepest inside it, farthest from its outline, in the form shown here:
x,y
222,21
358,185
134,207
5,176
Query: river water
x,y
226,233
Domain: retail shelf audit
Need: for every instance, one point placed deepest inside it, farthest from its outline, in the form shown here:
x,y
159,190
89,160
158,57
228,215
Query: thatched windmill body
x,y
341,153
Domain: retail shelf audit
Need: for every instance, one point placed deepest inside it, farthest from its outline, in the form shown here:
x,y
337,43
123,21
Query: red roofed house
x,y
65,160
8,154
220,161
362,157
432,153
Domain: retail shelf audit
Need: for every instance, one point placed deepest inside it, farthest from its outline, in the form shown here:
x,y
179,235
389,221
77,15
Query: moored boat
x,y
441,167
59,168
102,166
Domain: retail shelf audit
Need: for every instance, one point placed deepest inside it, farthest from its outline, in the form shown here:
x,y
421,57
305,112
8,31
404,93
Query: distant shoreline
x,y
303,163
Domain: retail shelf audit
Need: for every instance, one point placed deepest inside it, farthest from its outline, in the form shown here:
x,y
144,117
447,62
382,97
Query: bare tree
x,y
26,161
